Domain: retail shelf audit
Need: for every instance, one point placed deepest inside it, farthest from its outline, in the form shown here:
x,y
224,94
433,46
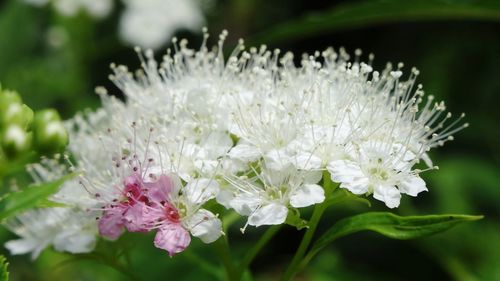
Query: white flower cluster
x,y
95,8
255,132
145,23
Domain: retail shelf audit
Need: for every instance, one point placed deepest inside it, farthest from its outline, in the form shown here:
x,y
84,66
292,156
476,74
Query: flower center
x,y
378,173
171,213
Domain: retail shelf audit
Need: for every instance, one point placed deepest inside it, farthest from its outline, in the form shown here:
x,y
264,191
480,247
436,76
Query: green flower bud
x,y
8,97
10,106
15,141
50,134
16,113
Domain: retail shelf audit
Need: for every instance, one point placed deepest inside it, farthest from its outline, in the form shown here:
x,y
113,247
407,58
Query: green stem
x,y
228,220
254,251
319,209
222,249
108,261
203,264
304,244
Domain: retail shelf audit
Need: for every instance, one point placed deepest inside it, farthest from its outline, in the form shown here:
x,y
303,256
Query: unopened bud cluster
x,y
23,132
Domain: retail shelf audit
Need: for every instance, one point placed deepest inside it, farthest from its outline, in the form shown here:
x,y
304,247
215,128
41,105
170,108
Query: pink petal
x,y
173,238
134,218
111,223
158,191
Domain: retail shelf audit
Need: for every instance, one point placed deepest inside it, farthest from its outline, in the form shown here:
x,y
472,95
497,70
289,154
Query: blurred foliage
x,y
55,61
31,197
4,273
374,12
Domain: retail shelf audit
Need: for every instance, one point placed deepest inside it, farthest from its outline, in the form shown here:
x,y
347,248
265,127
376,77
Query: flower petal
x,y
21,246
159,190
245,153
388,194
74,242
412,185
307,161
307,195
134,218
173,238
225,197
199,191
205,225
270,214
245,204
350,175
277,160
111,223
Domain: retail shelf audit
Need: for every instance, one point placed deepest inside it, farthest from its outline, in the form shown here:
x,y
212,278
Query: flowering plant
x,y
200,140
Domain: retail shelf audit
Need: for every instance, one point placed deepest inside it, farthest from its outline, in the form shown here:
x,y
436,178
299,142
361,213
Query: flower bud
x,y
17,113
50,134
7,98
15,140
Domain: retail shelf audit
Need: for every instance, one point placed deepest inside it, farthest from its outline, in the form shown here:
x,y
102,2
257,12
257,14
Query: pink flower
x,y
145,207
148,205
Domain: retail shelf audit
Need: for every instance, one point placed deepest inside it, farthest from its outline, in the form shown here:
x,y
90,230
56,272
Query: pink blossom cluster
x,y
143,207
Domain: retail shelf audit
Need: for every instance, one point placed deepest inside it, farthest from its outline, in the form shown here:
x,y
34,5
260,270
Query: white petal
x,y
307,195
205,225
277,160
245,153
23,246
176,183
350,175
244,204
20,246
277,177
199,191
74,242
312,176
307,161
270,214
388,194
412,185
224,198
217,144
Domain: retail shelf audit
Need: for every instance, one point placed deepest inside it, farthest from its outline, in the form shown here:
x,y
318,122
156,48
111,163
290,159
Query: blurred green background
x,y
456,46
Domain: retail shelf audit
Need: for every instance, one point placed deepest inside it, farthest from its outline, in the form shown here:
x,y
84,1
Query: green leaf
x,y
392,226
356,14
34,196
342,195
4,273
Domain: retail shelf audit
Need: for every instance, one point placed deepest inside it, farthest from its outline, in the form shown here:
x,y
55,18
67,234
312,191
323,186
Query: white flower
x,y
267,197
151,23
380,168
144,23
67,229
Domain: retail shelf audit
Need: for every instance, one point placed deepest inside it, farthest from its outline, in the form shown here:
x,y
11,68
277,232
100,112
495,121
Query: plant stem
x,y
228,220
111,262
203,264
222,249
254,251
304,244
319,209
